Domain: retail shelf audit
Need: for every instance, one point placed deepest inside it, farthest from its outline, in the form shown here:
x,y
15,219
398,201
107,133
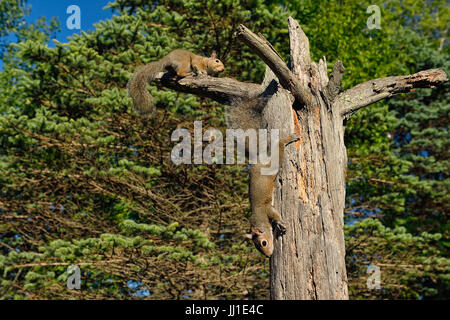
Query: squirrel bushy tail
x,y
142,99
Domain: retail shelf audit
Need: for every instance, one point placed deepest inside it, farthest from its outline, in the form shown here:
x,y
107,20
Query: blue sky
x,y
91,12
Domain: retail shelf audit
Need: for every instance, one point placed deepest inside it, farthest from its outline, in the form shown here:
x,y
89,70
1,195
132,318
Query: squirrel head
x,y
214,65
263,240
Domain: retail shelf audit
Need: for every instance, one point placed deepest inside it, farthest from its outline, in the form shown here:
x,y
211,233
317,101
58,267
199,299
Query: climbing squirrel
x,y
263,213
248,114
179,61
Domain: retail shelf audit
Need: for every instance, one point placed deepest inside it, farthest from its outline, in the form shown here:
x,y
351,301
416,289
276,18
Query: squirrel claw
x,y
280,228
294,137
200,74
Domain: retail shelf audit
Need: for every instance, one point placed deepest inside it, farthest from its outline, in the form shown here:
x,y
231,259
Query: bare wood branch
x,y
372,91
222,90
315,81
268,54
300,55
269,44
323,72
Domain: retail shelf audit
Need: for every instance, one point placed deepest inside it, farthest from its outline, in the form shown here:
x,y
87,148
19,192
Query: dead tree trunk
x,y
309,260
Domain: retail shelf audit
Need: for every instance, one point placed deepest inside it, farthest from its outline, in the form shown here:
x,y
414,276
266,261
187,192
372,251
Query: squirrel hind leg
x,y
183,69
184,74
292,138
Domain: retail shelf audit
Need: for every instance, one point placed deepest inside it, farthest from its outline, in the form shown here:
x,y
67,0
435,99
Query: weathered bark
x,y
272,58
372,91
309,260
223,90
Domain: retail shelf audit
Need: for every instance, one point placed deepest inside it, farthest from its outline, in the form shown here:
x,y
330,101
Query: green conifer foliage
x,y
84,181
422,138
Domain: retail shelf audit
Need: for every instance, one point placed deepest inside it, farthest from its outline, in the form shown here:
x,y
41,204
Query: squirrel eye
x,y
264,243
217,61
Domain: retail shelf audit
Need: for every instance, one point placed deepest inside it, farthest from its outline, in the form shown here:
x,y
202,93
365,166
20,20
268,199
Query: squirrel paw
x,y
294,137
198,73
281,229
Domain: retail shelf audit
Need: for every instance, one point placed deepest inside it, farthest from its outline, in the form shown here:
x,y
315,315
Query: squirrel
x,y
248,114
263,213
179,61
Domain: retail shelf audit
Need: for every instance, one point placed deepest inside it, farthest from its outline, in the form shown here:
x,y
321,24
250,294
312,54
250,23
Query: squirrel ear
x,y
213,55
248,236
256,230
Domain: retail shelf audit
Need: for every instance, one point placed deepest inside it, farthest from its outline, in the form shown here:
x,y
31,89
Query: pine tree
x,y
421,137
86,182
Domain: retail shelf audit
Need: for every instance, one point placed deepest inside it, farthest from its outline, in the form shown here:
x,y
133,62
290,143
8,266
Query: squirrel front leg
x,y
275,216
199,71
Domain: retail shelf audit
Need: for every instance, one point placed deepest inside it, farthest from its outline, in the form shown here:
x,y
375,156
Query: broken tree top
x,y
300,78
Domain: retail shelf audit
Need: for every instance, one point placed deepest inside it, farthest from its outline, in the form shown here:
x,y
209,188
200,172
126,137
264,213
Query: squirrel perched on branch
x,y
179,61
